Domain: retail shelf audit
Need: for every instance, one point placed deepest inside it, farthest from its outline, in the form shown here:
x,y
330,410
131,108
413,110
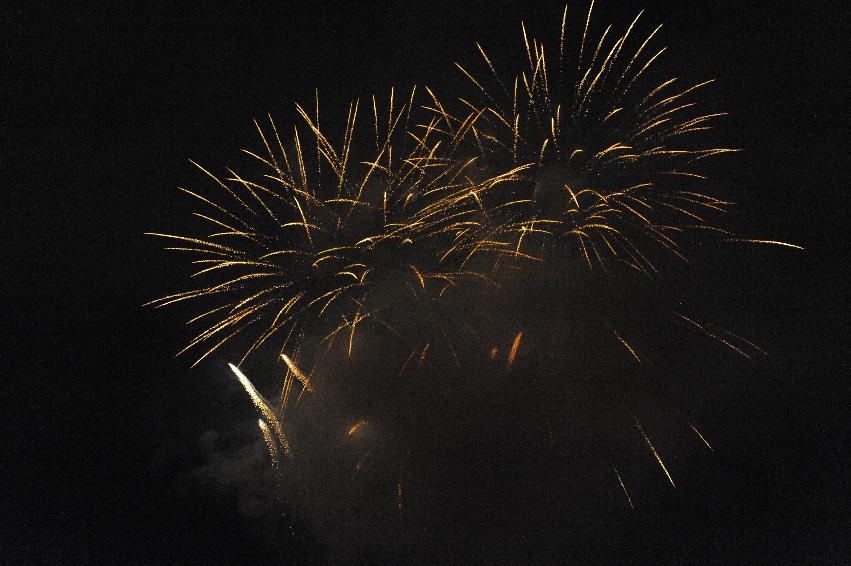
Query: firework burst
x,y
613,160
489,226
322,234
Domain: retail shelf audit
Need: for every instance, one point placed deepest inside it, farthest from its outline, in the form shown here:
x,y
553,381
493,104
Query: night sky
x,y
113,448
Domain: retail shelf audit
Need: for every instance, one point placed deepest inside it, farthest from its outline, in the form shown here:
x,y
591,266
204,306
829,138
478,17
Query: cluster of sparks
x,y
428,196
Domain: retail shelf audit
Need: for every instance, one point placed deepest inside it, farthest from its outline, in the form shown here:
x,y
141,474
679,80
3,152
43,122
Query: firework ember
x,y
385,268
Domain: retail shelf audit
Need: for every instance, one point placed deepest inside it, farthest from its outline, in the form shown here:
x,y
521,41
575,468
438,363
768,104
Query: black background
x,y
102,108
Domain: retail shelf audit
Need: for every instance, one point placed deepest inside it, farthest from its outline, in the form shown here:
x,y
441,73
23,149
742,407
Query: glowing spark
x,y
655,453
270,444
625,492
262,406
722,340
305,381
514,346
356,427
767,242
702,438
627,346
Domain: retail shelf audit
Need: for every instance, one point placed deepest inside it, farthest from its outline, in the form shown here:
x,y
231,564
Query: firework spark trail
x,y
627,346
623,487
305,381
719,339
767,242
702,438
356,427
270,444
512,355
655,453
262,407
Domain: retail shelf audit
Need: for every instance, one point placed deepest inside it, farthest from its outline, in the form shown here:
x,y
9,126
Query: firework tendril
x,y
580,155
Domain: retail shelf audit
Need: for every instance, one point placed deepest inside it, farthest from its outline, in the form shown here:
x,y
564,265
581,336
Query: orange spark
x,y
356,427
512,355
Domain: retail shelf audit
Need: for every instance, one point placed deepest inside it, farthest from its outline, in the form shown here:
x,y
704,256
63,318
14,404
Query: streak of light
x,y
270,444
262,406
305,381
702,438
655,453
623,487
767,242
356,427
627,346
512,354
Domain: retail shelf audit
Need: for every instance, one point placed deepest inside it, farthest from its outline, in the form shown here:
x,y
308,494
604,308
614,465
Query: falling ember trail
x,y
270,444
623,487
702,438
655,453
356,427
262,406
399,496
627,346
305,381
767,242
512,355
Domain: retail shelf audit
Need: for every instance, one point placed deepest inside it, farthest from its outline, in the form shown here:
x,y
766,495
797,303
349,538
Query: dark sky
x,y
102,107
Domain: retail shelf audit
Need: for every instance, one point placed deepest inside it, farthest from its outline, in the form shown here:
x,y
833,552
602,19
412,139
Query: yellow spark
x,y
702,438
494,352
195,241
356,427
512,354
357,318
768,242
722,340
623,487
270,444
655,453
418,274
262,406
584,34
561,40
305,381
748,342
627,346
